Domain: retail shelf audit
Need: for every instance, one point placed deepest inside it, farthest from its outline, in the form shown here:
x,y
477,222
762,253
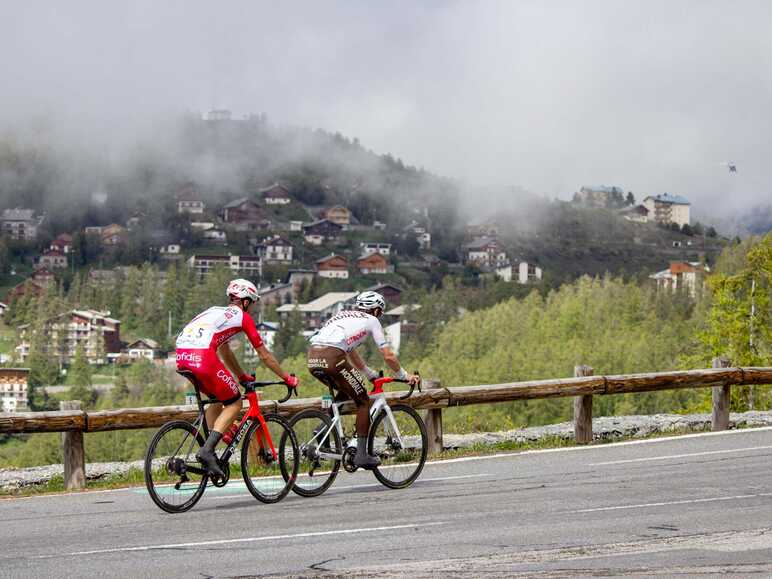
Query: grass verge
x,y
135,477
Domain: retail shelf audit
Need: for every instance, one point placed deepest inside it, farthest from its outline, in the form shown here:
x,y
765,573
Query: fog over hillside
x,y
545,97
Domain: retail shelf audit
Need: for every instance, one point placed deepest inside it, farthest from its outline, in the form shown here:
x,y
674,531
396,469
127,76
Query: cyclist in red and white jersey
x,y
332,360
202,349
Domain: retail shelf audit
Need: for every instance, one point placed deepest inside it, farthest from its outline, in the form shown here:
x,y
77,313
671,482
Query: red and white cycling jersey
x,y
349,328
197,349
215,326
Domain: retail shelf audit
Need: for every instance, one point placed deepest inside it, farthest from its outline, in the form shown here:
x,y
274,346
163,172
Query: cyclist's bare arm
x,y
270,361
393,362
230,361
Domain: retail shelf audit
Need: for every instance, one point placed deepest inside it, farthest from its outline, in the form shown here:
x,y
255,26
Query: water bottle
x,y
326,401
190,399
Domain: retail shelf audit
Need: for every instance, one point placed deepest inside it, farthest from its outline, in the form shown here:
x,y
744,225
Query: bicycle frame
x,y
379,405
253,414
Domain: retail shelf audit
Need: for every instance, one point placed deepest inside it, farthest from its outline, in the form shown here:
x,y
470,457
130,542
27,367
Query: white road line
x,y
669,456
665,504
365,486
256,539
590,448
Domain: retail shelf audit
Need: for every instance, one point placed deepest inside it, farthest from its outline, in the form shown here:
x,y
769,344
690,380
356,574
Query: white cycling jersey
x,y
349,328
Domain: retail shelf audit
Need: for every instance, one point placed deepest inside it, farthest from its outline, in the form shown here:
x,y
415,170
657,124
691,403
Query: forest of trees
x,y
494,333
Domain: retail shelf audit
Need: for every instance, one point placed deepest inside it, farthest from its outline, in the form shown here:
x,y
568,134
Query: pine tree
x,y
80,377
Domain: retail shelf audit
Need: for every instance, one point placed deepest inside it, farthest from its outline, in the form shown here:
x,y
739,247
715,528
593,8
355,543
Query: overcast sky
x,y
651,96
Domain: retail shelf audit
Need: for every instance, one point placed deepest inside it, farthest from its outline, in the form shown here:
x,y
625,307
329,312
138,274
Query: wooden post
x,y
434,422
73,452
583,410
721,396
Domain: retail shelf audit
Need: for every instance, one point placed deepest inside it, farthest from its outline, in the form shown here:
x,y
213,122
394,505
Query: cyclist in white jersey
x,y
333,360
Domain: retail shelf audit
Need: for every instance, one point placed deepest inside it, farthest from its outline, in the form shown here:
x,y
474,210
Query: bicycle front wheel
x,y
174,478
269,462
316,442
400,442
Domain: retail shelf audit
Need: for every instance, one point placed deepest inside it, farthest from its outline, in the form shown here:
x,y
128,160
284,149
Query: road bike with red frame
x,y
176,480
397,437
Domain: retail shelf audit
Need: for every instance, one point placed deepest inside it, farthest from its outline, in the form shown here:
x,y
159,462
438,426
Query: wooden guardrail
x,y
434,398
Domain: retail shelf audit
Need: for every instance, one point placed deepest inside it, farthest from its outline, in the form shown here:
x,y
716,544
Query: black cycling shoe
x,y
367,461
209,460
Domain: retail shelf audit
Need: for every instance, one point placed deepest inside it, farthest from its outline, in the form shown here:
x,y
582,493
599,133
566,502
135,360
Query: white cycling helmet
x,y
370,300
242,288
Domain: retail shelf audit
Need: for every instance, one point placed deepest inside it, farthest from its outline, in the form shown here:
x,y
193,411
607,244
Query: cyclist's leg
x,y
217,382
333,364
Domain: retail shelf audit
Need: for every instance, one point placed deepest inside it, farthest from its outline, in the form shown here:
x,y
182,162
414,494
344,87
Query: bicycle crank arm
x,y
196,470
330,456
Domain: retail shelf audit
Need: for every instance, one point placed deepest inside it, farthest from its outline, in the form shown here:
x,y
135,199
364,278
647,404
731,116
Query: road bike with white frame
x,y
397,437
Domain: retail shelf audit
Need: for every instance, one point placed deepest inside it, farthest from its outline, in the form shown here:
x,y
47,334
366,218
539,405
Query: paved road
x,y
697,505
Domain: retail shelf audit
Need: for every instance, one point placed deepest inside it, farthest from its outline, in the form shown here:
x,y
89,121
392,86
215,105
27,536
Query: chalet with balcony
x,y
13,389
484,252
62,243
320,231
682,276
189,200
275,249
369,247
20,224
245,265
338,215
276,194
667,208
521,272
52,259
95,331
333,266
143,348
391,293
245,215
373,263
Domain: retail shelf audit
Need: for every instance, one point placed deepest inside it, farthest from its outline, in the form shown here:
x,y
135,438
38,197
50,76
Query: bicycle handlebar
x,y
250,387
380,381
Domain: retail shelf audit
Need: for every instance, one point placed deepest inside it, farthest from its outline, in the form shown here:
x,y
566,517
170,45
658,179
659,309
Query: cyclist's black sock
x,y
211,442
362,457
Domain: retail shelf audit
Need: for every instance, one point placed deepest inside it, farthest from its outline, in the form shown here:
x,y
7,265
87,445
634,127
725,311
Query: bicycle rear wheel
x,y
401,446
316,472
171,455
269,477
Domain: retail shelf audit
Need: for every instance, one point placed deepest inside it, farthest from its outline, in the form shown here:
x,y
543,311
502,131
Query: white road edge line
x,y
669,456
257,539
485,457
365,486
664,504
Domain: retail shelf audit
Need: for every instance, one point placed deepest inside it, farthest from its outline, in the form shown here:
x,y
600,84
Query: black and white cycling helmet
x,y
242,288
370,300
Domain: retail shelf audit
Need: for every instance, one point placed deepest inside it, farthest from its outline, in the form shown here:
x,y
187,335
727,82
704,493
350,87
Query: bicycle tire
x,y
196,489
399,467
263,485
301,486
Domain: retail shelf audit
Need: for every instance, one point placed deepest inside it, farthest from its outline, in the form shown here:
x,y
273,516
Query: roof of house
x,y
376,256
93,314
66,237
275,190
401,310
18,214
273,288
480,243
331,257
320,222
668,198
275,240
321,303
380,286
52,253
238,202
147,341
